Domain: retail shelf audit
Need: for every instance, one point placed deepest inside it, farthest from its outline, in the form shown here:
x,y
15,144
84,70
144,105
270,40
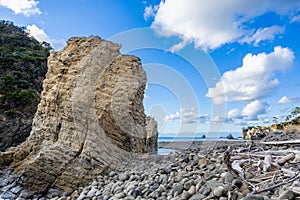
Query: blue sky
x,y
212,66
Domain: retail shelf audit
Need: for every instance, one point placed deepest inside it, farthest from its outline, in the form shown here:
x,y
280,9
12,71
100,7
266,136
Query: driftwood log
x,y
269,169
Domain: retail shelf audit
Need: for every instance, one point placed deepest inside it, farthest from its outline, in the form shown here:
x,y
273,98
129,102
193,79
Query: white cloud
x,y
187,117
295,19
211,24
285,100
251,112
253,109
150,12
25,7
234,114
240,123
221,119
260,121
37,33
263,34
180,45
254,79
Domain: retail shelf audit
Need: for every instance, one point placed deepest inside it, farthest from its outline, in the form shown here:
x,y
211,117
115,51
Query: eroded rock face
x,y
90,118
256,132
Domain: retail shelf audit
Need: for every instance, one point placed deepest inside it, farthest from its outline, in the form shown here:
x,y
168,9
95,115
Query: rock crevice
x,y
89,119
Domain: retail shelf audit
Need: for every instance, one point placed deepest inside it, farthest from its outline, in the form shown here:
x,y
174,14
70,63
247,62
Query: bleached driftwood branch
x,y
281,142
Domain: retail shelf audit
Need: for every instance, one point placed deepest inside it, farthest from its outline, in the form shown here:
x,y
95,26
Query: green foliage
x,y
10,113
292,119
23,65
293,116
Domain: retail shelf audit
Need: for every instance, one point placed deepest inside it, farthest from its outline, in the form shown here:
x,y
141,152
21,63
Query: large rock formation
x,y
90,118
256,132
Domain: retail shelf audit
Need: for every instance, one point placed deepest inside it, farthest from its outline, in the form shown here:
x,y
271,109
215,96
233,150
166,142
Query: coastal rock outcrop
x,y
275,132
90,118
256,132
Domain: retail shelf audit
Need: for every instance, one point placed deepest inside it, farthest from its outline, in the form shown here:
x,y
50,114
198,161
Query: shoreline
x,y
202,145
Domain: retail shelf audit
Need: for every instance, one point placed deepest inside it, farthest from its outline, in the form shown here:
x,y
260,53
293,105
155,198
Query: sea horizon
x,y
201,136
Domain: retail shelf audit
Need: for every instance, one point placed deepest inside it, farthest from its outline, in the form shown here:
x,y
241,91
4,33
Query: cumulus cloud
x,y
263,34
253,109
211,24
259,121
221,119
187,117
285,100
25,7
234,114
254,79
150,12
252,113
37,33
295,19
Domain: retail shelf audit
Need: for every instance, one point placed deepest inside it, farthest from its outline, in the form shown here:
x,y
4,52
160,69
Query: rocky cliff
x,y
275,132
23,65
256,132
89,119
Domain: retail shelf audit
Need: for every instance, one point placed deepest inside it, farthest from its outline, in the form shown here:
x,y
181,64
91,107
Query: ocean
x,y
184,137
196,137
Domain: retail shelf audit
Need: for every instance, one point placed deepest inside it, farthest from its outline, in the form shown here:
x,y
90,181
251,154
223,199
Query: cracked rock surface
x,y
90,118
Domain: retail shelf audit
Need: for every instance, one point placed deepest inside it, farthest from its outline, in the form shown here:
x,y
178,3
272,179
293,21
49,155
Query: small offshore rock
x,y
229,136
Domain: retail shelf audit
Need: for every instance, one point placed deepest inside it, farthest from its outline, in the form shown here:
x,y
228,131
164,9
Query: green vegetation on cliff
x,y
23,65
292,119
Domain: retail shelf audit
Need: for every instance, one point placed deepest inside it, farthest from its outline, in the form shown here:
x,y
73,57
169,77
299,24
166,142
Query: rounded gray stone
x,y
177,189
186,195
253,197
228,178
288,194
123,176
219,191
237,183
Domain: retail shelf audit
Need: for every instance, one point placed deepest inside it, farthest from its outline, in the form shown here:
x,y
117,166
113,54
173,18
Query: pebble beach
x,y
195,173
